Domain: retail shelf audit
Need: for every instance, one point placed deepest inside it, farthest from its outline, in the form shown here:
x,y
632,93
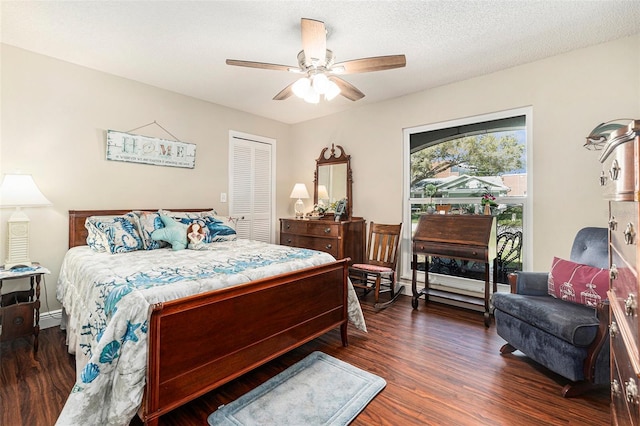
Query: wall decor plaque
x,y
131,148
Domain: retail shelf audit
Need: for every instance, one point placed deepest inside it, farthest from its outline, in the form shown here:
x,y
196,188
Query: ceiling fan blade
x,y
314,41
284,93
376,63
262,65
347,90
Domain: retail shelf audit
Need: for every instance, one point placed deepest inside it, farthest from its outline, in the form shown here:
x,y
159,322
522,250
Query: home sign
x,y
132,148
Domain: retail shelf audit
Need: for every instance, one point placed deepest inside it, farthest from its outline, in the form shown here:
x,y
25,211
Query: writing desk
x,y
464,237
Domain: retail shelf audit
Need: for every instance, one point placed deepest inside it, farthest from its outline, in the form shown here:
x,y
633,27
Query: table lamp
x,y
19,191
323,195
299,192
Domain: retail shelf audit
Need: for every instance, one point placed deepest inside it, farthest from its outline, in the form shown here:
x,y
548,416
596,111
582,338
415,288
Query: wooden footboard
x,y
199,343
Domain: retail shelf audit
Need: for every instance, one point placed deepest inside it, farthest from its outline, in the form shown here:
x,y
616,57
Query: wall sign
x,y
132,148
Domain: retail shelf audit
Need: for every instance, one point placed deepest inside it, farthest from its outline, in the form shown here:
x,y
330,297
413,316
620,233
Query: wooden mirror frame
x,y
335,159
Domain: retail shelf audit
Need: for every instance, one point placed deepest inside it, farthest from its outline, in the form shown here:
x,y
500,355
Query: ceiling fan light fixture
x,y
320,70
312,96
301,87
332,91
320,83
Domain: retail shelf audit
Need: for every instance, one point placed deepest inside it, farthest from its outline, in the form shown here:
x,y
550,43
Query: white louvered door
x,y
251,195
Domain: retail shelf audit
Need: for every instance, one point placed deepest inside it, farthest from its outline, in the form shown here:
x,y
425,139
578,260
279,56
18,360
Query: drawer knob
x,y
289,240
616,389
327,230
288,225
630,305
328,246
631,390
613,223
613,329
629,234
603,178
613,271
614,172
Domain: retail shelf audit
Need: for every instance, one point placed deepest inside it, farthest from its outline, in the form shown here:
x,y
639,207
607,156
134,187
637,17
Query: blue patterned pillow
x,y
215,228
115,234
187,218
147,222
186,215
220,229
96,239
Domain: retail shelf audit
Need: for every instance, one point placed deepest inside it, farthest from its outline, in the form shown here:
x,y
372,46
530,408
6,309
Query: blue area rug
x,y
319,390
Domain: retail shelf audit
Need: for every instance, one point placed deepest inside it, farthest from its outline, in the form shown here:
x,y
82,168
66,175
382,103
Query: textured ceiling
x,y
182,45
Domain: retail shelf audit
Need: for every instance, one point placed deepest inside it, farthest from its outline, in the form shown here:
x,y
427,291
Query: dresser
x,y
620,158
341,239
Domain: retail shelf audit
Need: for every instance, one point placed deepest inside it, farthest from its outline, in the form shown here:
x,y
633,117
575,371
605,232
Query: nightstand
x,y
20,309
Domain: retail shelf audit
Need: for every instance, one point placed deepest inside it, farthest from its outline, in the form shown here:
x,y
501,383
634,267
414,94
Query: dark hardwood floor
x,y
442,367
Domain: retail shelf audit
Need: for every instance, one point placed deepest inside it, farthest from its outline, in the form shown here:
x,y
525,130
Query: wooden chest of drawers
x,y
340,239
622,175
623,299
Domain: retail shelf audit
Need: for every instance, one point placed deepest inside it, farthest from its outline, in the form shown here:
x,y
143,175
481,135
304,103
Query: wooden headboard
x,y
78,233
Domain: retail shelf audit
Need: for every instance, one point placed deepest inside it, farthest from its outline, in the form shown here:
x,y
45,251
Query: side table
x,y
20,310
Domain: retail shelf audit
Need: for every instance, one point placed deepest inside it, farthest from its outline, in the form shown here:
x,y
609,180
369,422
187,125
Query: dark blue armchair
x,y
569,339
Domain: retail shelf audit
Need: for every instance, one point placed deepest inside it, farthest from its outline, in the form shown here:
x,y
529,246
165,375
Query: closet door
x,y
251,194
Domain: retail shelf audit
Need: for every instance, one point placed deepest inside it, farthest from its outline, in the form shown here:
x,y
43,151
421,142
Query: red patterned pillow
x,y
577,283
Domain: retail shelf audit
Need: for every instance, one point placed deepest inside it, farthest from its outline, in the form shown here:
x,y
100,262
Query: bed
x,y
173,326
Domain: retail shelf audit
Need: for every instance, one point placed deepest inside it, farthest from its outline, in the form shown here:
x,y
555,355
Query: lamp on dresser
x,y
19,190
299,192
323,196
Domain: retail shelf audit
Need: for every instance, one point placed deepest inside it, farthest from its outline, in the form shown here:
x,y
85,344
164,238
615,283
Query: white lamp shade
x,y
323,194
320,83
21,191
332,91
301,87
299,191
312,96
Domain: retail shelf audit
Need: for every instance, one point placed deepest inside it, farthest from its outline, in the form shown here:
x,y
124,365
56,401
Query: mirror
x,y
333,178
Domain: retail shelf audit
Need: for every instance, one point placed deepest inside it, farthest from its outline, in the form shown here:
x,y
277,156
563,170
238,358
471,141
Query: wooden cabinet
x,y
623,299
340,239
620,180
20,309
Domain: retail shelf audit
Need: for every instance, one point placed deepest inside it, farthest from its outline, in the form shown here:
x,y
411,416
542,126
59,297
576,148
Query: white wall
x,y
54,118
570,94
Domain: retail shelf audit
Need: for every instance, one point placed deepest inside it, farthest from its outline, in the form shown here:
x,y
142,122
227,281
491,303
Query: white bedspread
x,y
107,299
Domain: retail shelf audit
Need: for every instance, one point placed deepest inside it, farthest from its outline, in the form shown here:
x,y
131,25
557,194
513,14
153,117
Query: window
x,y
452,166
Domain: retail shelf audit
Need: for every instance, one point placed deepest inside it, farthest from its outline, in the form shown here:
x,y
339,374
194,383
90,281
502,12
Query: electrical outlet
x,y
223,197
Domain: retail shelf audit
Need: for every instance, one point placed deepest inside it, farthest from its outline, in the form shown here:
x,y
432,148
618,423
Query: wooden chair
x,y
379,271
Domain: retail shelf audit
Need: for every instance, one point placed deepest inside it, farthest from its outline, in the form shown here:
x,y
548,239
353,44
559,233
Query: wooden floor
x,y
442,367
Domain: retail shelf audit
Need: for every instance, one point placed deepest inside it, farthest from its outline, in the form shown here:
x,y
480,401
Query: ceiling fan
x,y
320,71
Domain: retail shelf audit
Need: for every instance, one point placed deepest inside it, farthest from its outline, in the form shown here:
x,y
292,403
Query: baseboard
x,y
50,319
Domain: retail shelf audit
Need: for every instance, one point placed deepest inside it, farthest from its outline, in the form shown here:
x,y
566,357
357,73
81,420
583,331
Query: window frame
x,y
526,201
